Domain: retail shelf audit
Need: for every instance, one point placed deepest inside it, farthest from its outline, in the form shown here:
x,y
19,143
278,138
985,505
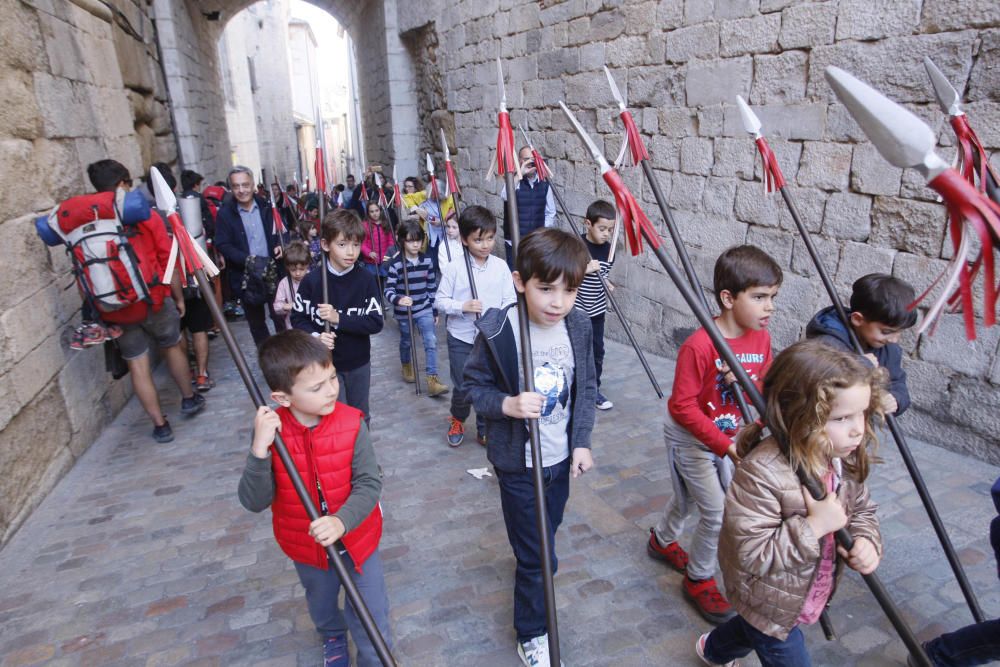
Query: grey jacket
x,y
492,373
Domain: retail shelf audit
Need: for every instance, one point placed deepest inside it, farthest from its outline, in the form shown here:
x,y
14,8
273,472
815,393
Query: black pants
x,y
257,321
597,323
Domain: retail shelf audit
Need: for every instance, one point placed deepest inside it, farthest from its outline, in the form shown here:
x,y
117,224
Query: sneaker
x,y
76,341
481,436
212,333
335,652
92,334
707,599
203,383
699,649
193,405
163,432
456,432
603,403
671,554
535,652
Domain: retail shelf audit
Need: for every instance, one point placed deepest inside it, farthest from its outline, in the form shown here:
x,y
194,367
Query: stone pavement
x,y
143,556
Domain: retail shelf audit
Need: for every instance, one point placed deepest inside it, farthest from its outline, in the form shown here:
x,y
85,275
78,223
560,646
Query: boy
x,y
297,261
600,223
703,418
329,440
879,313
550,265
495,289
418,302
354,311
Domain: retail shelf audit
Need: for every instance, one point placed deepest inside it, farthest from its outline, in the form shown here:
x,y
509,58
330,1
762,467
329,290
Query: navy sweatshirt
x,y
355,296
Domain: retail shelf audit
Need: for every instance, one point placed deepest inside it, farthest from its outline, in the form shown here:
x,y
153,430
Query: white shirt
x,y
494,285
455,246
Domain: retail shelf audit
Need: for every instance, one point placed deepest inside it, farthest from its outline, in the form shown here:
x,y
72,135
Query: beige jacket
x,y
767,551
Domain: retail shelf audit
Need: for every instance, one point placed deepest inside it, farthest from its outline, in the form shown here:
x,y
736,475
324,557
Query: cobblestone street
x,y
142,555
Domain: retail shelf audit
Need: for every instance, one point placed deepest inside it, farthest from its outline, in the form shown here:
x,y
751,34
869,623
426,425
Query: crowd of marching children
x,y
772,541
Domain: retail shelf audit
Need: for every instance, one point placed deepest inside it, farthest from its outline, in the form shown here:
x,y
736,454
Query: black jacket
x,y
492,374
231,238
827,327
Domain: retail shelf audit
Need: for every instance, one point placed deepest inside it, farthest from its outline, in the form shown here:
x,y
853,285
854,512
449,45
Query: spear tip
x,y
430,164
947,96
750,121
166,200
615,92
444,145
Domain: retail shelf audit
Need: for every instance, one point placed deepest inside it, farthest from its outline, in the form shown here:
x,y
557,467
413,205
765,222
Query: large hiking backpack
x,y
105,264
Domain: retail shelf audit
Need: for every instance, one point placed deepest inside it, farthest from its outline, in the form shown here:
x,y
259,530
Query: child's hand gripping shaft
x,y
327,530
265,424
526,405
824,516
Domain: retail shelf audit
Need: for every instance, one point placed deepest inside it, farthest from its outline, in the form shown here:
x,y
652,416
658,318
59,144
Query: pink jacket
x,y
377,240
286,295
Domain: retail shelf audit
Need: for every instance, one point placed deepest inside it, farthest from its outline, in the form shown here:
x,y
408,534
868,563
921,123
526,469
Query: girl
x,y
454,244
297,260
378,240
776,548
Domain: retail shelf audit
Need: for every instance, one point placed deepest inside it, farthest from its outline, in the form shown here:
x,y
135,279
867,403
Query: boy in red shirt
x,y
703,419
329,444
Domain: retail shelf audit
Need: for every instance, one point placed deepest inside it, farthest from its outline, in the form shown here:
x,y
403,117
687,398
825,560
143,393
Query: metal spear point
x,y
430,164
750,121
444,146
617,94
167,202
595,152
947,96
501,88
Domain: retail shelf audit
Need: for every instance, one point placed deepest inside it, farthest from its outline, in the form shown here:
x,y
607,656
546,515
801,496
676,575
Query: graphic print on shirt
x,y
551,382
728,422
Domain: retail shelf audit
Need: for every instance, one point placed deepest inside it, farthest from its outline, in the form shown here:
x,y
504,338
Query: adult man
x,y
243,229
536,206
347,196
159,319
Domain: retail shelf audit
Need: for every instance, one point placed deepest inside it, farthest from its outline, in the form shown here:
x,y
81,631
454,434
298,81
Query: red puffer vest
x,y
324,454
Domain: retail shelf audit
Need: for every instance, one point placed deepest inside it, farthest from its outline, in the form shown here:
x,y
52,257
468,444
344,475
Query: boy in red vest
x,y
329,443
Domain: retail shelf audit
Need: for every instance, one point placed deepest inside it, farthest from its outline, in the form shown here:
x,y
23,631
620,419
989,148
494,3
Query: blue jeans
x,y
323,588
976,644
424,321
736,638
517,498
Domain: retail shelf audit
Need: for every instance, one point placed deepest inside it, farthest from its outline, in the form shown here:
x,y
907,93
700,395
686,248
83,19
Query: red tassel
x,y
278,226
451,179
541,169
382,201
397,196
364,193
320,172
435,194
968,142
635,145
505,145
773,178
967,208
185,245
633,218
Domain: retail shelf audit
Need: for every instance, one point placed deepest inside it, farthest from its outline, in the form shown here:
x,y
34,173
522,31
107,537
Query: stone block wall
x,y
681,63
80,83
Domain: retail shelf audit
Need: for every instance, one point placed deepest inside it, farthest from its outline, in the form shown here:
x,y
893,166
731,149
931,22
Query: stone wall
x,y
681,64
80,83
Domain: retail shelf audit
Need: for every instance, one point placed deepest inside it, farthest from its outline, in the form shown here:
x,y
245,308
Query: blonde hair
x,y
799,389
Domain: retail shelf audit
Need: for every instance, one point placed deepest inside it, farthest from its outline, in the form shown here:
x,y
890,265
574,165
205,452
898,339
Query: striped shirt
x,y
590,297
422,279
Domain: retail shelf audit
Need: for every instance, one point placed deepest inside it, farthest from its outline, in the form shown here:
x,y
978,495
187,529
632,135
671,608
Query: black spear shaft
x,y
811,485
534,436
409,319
350,589
890,420
611,299
325,258
465,251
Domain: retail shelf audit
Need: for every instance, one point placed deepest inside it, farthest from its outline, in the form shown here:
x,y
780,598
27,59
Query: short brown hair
x,y
476,217
296,252
742,267
548,253
343,222
600,209
284,355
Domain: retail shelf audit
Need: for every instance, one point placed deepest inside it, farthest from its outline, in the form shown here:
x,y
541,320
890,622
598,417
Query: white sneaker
x,y
535,652
603,403
699,648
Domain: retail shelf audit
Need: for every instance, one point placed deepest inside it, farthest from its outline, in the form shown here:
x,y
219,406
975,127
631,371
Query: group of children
x,y
773,542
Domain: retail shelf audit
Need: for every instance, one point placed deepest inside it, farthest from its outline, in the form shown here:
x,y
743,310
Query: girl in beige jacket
x,y
776,548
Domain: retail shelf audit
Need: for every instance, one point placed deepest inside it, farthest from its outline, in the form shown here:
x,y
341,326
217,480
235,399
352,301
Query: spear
x,y
286,199
436,196
544,174
640,156
907,142
773,178
409,318
971,158
637,228
201,266
506,166
277,222
321,186
451,180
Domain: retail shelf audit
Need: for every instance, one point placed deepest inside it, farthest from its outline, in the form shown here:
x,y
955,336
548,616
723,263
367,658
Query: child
x,y
879,313
550,265
777,548
703,417
599,222
354,311
495,289
330,441
454,244
418,302
297,262
377,240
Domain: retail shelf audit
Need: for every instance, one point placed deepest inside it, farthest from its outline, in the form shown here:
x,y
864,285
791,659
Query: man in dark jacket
x,y
244,229
879,314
